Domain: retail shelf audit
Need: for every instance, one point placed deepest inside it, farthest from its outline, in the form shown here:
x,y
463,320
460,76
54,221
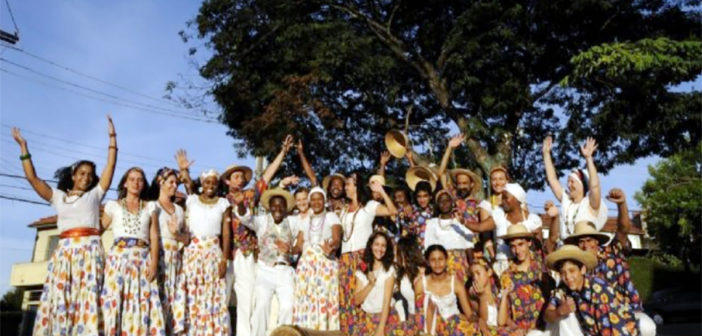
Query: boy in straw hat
x,y
599,308
273,270
522,298
611,257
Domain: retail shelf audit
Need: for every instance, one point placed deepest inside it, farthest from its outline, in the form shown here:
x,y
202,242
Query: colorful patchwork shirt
x,y
243,237
612,266
526,300
416,223
601,310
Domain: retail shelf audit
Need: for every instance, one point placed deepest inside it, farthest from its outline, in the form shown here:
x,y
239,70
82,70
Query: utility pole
x,y
9,38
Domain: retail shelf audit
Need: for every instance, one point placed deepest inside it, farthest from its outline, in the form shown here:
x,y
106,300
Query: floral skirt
x,y
457,263
170,263
367,323
316,293
69,304
456,325
204,293
130,303
348,264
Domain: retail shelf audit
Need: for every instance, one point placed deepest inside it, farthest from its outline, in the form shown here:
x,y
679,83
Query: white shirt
x,y
532,223
164,218
572,213
128,225
297,222
444,232
205,220
373,304
317,228
358,227
77,211
407,292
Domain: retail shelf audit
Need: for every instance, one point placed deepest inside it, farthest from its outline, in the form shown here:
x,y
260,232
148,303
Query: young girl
x,y
410,266
171,223
317,275
129,300
375,282
69,303
439,294
204,262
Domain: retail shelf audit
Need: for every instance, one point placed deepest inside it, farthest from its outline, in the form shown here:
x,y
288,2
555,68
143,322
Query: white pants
x,y
646,325
269,280
244,281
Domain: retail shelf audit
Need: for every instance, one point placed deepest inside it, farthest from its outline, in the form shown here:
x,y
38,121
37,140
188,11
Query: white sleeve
x,y
429,237
247,219
190,199
534,222
333,219
110,208
601,214
99,192
372,207
361,277
56,196
486,206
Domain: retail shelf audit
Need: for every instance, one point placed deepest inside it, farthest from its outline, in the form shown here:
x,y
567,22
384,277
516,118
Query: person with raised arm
x,y
581,201
130,296
69,302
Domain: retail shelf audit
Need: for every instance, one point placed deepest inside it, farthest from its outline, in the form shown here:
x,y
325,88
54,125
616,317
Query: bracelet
x,y
25,156
113,134
113,147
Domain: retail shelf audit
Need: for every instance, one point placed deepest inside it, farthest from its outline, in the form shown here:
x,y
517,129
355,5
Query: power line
x,y
122,101
45,180
12,16
12,198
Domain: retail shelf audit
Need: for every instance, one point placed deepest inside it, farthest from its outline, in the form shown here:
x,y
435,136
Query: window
x,y
53,242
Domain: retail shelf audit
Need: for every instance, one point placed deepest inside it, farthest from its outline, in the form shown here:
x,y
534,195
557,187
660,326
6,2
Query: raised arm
x,y
551,176
384,159
617,196
485,224
595,193
42,188
455,141
388,209
184,169
554,226
273,167
306,164
109,171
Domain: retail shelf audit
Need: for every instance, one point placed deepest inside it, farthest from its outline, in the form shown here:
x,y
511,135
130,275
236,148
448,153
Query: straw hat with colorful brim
x,y
586,229
515,231
477,181
397,143
571,252
417,173
270,193
248,173
327,179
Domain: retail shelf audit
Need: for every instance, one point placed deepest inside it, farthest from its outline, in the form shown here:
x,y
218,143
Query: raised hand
x,y
182,160
547,144
299,146
616,196
18,137
588,148
110,126
456,140
288,142
551,209
289,180
377,187
385,158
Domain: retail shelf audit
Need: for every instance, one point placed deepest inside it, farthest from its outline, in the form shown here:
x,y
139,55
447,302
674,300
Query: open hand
x,y
385,158
288,142
110,126
588,148
18,137
289,180
182,160
547,144
456,140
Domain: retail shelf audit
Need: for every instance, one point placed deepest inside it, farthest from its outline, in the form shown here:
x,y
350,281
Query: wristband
x,y
113,134
25,156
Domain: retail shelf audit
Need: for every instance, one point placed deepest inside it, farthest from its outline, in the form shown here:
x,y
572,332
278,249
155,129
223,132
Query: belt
x,y
130,242
79,232
280,263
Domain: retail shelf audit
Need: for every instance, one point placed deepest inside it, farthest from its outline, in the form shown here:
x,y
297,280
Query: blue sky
x,y
134,44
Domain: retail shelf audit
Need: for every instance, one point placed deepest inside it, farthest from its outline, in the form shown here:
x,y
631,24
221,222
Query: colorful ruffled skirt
x,y
204,293
348,264
366,324
457,264
170,263
69,304
316,303
130,303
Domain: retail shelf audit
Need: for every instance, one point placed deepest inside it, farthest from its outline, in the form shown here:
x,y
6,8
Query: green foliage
x,y
339,74
672,204
12,300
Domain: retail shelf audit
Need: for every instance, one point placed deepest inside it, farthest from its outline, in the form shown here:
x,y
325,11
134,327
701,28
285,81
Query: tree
x,y
672,204
12,300
341,73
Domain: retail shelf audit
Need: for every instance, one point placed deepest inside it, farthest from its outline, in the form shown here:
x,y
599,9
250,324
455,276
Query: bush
x,y
650,274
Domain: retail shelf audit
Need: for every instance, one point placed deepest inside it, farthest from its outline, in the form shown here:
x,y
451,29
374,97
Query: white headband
x,y
316,190
208,173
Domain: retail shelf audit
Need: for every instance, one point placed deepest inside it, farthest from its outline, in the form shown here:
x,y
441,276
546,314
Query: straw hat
x,y
477,181
327,179
586,229
418,173
515,231
270,193
567,252
397,143
248,173
377,178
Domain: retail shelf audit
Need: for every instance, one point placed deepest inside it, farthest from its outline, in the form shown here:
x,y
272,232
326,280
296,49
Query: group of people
x,y
349,254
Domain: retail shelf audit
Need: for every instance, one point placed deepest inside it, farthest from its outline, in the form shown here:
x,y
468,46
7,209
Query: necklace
x,y
208,201
78,193
316,229
353,223
160,204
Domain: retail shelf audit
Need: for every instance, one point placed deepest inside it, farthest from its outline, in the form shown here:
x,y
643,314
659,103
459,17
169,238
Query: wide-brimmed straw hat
x,y
377,178
397,143
477,181
270,193
248,173
418,173
515,231
586,229
327,179
570,252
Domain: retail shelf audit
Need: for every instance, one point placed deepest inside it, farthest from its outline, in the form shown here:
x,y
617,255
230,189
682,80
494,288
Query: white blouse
x,y
205,220
449,233
532,223
128,225
373,304
77,211
164,218
317,228
572,213
407,292
358,227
